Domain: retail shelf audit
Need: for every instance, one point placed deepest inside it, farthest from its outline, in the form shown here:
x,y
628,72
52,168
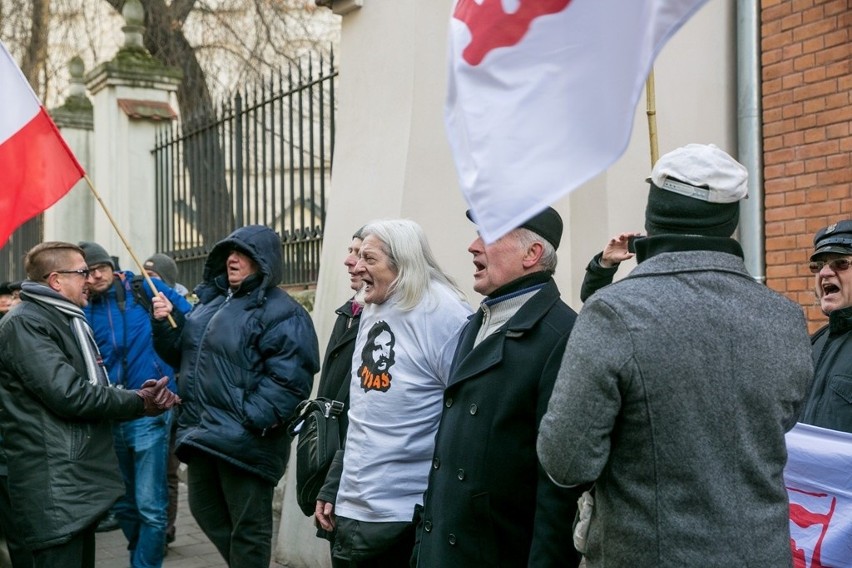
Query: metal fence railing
x,y
12,253
264,157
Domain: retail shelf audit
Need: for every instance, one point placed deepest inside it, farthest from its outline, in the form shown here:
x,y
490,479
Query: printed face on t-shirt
x,y
377,358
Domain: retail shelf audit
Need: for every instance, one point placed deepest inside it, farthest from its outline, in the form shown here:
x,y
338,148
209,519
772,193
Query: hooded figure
x,y
247,354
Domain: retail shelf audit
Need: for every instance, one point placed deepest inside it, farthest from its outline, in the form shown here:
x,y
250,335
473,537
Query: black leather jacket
x,y
56,426
829,402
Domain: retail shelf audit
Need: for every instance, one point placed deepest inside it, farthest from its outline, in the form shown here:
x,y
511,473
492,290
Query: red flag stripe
x,y
38,169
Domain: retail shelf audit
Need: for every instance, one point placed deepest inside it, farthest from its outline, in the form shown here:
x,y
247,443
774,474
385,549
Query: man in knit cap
x,y
119,313
164,267
678,385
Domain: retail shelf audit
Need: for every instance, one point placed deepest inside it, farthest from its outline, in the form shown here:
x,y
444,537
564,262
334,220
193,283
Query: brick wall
x,y
806,135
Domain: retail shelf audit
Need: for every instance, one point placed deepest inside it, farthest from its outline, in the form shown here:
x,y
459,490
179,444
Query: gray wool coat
x,y
674,395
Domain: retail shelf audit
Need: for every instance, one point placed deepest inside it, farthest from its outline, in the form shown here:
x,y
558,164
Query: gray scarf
x,y
41,294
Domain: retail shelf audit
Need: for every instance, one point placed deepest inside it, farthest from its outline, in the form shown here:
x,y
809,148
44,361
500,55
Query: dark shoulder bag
x,y
316,422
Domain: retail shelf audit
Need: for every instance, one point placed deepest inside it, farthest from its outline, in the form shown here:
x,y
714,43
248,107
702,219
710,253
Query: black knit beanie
x,y
669,212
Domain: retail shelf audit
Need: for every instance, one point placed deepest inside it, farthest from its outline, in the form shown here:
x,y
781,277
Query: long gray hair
x,y
411,257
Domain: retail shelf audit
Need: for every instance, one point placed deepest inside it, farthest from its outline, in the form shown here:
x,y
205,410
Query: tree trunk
x,y
35,55
203,155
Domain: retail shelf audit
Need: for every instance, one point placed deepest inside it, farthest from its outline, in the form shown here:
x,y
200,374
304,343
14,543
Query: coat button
x,y
449,402
452,539
436,463
460,474
473,409
427,526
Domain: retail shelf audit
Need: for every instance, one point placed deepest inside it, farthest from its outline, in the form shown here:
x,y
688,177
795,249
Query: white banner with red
x,y
542,94
818,477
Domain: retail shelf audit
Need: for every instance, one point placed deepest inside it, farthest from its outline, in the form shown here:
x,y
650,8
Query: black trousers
x,y
79,552
361,544
18,553
233,508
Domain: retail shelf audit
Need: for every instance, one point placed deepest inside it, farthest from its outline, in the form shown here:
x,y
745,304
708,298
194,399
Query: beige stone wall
x,y
392,159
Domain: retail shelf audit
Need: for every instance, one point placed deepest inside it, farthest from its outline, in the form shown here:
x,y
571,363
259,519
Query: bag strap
x,y
139,293
343,393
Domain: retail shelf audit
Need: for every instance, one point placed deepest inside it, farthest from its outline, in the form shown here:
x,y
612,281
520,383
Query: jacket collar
x,y
840,321
347,309
651,246
691,260
520,285
489,353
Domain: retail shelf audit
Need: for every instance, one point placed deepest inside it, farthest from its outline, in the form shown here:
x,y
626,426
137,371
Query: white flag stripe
x,y
535,120
19,105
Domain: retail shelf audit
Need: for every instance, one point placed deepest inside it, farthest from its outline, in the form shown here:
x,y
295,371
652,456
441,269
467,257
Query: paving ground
x,y
191,549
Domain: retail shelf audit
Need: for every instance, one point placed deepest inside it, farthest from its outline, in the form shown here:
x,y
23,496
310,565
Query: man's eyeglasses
x,y
837,265
84,272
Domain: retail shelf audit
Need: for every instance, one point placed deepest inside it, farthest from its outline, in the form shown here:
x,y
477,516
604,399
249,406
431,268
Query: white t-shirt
x,y
400,368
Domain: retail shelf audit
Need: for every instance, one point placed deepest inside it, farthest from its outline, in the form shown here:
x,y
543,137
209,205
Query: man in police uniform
x,y
828,402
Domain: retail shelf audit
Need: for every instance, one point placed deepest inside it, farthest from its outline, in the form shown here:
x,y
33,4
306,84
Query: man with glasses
x,y
678,385
828,404
119,313
56,411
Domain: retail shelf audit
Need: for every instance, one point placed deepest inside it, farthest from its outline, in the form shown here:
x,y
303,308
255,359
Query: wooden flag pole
x,y
650,97
121,236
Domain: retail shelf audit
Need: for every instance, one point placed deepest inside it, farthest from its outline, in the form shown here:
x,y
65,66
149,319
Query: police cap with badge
x,y
836,238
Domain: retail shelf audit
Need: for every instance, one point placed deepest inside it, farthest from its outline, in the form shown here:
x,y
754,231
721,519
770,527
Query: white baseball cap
x,y
701,171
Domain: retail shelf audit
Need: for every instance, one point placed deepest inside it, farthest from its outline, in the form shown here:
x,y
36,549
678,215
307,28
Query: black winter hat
x,y
669,212
547,225
95,254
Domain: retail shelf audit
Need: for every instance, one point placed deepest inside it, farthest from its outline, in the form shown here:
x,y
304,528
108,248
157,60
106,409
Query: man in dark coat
x,y
337,365
489,502
828,401
56,410
247,354
338,354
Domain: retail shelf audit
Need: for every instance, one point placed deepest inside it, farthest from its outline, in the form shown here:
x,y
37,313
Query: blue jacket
x,y
130,363
247,359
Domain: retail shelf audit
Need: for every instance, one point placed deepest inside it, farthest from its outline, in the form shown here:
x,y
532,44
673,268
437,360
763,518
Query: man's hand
x,y
324,515
161,307
616,251
157,397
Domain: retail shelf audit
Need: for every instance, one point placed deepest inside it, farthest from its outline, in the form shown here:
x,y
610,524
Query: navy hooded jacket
x,y
247,358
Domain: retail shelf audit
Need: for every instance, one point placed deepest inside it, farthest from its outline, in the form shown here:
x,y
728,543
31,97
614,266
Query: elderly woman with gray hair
x,y
406,340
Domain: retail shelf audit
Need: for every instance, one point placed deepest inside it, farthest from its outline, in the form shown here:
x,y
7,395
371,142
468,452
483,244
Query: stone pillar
x,y
132,95
72,217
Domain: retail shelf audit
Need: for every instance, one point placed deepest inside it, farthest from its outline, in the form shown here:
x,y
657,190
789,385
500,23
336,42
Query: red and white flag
x,y
818,477
542,95
36,166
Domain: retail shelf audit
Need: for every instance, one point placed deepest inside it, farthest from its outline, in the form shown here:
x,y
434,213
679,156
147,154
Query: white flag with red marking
x,y
36,166
542,95
818,477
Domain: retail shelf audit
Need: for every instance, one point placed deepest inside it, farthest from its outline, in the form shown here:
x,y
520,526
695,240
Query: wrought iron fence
x,y
13,252
263,158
